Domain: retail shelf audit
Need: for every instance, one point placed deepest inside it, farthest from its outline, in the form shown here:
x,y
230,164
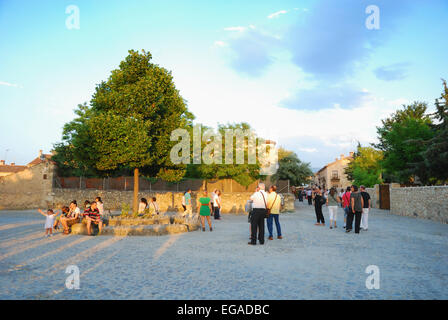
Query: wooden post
x,y
135,190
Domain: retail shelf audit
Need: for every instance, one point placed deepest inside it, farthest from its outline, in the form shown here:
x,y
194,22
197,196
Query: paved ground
x,y
309,263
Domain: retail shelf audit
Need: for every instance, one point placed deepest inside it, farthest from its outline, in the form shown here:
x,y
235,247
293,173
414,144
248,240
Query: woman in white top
x,y
72,218
99,205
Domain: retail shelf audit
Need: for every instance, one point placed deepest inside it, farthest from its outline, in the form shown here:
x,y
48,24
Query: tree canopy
x,y
291,168
243,172
395,140
434,162
364,168
128,123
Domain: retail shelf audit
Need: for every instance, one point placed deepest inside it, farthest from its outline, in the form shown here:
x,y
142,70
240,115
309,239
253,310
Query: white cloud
x,y
309,150
3,83
239,29
277,14
220,44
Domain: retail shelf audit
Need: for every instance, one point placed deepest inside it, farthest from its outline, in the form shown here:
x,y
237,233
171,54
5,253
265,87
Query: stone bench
x,y
155,226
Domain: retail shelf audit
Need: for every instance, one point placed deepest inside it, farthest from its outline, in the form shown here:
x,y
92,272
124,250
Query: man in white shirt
x,y
217,205
259,202
309,196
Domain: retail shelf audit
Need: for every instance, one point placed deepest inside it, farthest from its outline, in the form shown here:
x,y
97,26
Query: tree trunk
x,y
135,205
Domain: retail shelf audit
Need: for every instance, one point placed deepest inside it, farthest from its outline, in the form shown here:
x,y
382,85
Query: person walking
x,y
188,208
365,209
332,204
340,194
274,203
356,205
259,211
309,196
346,204
249,209
318,203
212,197
217,205
205,210
183,202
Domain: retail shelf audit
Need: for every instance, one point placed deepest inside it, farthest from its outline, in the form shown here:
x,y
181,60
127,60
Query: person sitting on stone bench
x,y
71,218
92,216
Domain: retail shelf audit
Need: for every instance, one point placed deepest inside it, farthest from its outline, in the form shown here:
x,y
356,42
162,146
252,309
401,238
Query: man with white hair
x,y
259,201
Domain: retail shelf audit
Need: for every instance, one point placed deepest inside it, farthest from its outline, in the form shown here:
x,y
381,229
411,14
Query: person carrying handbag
x,y
318,203
259,212
274,204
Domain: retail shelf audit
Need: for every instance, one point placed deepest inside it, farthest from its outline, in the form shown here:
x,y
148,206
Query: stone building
x,y
8,169
30,187
333,174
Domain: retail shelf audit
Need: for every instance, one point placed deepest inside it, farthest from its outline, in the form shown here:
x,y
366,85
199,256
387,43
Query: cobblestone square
x,y
311,262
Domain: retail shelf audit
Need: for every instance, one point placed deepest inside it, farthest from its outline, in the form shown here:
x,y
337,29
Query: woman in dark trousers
x,y
318,203
356,205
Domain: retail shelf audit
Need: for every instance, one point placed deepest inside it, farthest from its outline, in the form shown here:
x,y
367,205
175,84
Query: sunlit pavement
x,y
310,262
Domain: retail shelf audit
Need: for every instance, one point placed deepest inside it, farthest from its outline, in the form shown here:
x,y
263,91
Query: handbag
x,y
268,210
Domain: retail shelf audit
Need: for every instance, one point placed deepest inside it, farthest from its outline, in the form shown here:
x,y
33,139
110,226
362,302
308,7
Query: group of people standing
x,y
355,202
93,214
264,205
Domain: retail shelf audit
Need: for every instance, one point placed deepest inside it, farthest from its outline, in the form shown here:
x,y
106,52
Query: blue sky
x,y
308,74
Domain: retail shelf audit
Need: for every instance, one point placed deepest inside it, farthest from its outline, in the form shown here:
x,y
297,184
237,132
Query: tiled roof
x,y
11,169
38,160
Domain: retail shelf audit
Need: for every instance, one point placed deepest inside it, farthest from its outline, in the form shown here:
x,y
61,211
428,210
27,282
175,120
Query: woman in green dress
x,y
204,211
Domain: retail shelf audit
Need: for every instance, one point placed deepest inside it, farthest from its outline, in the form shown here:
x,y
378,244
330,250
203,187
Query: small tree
x,y
243,173
292,168
364,168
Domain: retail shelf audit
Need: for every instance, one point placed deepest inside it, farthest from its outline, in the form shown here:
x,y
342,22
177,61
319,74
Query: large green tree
x,y
395,140
129,122
435,150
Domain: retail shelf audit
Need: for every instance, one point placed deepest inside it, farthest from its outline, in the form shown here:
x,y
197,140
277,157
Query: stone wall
x,y
33,188
167,201
374,196
27,189
422,202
